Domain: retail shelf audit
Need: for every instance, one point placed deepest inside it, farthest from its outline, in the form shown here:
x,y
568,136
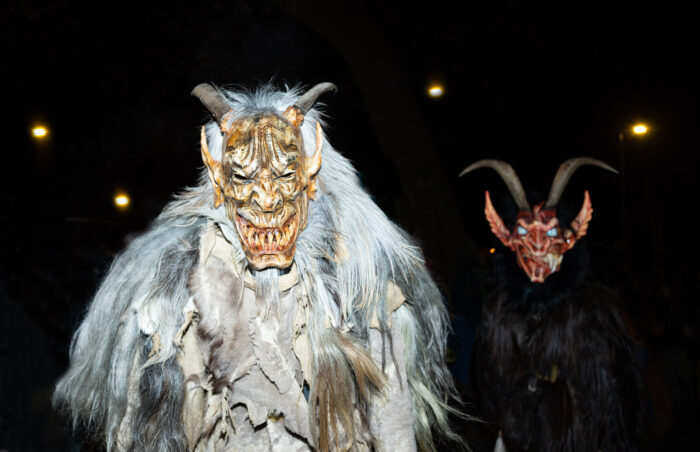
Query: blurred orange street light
x,y
121,201
39,132
640,129
436,91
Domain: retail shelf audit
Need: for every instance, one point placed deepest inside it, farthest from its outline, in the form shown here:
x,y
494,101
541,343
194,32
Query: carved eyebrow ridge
x,y
264,142
240,139
281,159
530,224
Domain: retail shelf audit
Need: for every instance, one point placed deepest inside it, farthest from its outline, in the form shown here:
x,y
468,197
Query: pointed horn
x,y
307,101
212,99
508,175
566,170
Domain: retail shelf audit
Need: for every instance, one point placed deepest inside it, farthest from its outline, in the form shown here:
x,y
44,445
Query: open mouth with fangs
x,y
264,240
540,267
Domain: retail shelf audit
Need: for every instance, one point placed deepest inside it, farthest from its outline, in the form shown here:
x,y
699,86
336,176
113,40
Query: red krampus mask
x,y
537,238
264,178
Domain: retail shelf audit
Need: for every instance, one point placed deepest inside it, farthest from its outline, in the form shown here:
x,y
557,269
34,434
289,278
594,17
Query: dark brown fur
x,y
593,404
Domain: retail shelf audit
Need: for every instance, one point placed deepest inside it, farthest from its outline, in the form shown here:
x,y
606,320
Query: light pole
x,y
638,129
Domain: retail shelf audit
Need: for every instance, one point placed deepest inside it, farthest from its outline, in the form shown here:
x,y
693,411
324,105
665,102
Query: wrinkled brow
x,y
239,139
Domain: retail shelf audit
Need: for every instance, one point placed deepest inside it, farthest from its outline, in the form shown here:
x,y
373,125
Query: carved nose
x,y
266,197
538,239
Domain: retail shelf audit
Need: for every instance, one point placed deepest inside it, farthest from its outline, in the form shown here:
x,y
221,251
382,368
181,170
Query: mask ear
x,y
313,163
294,115
579,225
214,170
497,227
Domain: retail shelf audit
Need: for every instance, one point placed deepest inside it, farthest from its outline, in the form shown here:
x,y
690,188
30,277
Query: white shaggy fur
x,y
347,254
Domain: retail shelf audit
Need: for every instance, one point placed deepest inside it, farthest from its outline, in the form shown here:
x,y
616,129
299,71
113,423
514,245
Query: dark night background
x,y
530,84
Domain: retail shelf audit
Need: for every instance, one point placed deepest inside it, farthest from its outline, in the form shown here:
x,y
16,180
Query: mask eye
x,y
522,230
286,176
552,232
240,179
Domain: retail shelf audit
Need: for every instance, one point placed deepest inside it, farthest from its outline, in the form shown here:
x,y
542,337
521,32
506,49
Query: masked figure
x,y
272,307
554,363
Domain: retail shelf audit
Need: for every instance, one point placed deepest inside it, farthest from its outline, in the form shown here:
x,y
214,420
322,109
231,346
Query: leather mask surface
x,y
264,178
537,239
265,181
538,243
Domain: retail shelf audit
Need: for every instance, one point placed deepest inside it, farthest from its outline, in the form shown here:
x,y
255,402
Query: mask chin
x,y
265,261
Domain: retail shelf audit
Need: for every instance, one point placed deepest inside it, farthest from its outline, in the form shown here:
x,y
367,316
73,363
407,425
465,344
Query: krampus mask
x,y
537,238
264,178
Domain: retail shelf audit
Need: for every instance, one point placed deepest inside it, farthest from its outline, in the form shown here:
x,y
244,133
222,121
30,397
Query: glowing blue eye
x,y
522,230
552,232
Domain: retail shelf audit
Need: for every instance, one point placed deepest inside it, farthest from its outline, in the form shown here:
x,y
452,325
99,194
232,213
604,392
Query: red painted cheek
x,y
558,246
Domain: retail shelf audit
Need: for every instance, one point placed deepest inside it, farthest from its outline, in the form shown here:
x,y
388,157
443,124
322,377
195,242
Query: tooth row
x,y
268,239
553,261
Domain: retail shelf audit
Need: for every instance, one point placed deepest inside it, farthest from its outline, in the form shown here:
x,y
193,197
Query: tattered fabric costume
x,y
555,365
272,307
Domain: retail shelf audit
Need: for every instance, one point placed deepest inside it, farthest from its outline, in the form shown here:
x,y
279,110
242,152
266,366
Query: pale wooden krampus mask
x,y
264,178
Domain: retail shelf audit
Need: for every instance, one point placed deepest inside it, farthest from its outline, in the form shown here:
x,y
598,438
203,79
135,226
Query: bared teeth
x,y
267,239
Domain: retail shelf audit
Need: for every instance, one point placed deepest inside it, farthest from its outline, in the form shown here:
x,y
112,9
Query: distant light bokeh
x,y
121,201
640,129
40,132
436,91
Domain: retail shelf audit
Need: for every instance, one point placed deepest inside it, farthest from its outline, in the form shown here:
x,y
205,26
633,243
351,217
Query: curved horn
x,y
307,101
564,173
508,175
212,99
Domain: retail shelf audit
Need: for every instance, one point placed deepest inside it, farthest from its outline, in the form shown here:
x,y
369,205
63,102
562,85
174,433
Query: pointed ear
x,y
225,122
313,163
214,169
294,115
580,224
497,227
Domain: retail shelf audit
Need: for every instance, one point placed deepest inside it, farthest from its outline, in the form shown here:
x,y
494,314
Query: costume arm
x,y
190,360
192,364
392,415
124,437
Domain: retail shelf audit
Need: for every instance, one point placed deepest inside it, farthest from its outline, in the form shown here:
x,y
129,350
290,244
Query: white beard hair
x,y
267,293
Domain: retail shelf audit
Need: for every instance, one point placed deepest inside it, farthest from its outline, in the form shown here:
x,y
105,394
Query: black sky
x,y
532,85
